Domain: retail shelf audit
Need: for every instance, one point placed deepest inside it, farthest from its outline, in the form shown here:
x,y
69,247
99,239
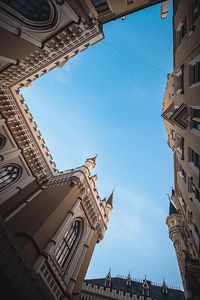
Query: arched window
x,y
9,174
31,12
2,141
34,10
69,243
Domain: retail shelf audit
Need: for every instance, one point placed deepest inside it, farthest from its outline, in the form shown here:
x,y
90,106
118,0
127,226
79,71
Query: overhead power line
x,y
136,58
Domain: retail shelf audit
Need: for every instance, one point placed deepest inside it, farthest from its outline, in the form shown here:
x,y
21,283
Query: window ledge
x,y
194,167
194,85
195,131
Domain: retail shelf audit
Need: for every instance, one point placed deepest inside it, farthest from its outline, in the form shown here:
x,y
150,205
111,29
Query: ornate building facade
x,y
181,112
50,221
127,288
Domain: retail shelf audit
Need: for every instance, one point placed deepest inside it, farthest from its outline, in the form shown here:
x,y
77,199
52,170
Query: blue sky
x,y
108,100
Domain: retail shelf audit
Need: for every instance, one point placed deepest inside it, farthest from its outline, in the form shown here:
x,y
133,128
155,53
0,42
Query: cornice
x,y
73,38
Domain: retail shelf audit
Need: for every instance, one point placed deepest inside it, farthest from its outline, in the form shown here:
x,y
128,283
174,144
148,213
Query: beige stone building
x,y
50,221
181,112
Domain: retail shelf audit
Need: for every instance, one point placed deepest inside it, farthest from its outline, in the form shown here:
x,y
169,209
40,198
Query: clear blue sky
x,y
108,100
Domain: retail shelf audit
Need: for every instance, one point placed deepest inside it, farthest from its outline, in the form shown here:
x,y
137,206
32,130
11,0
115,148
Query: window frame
x,y
64,252
194,119
13,179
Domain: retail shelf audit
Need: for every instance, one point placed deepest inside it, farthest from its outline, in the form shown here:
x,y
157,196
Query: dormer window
x,y
164,288
145,288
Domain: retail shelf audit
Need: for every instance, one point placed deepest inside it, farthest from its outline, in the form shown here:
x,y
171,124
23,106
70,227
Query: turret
x,y
90,162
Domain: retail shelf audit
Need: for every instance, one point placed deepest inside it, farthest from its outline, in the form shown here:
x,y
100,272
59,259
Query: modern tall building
x,y
50,221
126,288
181,113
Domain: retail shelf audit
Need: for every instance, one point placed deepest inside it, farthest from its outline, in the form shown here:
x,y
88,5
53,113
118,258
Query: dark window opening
x,y
33,10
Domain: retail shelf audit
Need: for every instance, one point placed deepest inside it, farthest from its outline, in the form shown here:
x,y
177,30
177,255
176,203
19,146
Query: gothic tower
x,y
48,230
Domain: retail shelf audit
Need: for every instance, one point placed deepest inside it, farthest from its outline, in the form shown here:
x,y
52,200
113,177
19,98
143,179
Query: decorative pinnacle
x,y
129,275
91,162
110,199
109,274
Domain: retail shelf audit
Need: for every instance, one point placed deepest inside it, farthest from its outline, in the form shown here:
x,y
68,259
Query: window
x,y
190,217
69,243
172,133
181,32
181,171
9,174
194,12
2,141
194,192
181,200
194,71
195,119
179,144
34,10
179,81
194,158
101,6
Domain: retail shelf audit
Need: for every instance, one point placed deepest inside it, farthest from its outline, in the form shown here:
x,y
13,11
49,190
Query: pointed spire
x,y
145,283
128,281
110,199
90,162
172,209
129,275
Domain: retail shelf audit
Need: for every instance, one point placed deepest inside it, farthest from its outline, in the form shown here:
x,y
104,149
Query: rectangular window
x,y
179,144
195,119
194,158
179,81
172,132
181,32
194,71
101,6
194,12
194,192
130,2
